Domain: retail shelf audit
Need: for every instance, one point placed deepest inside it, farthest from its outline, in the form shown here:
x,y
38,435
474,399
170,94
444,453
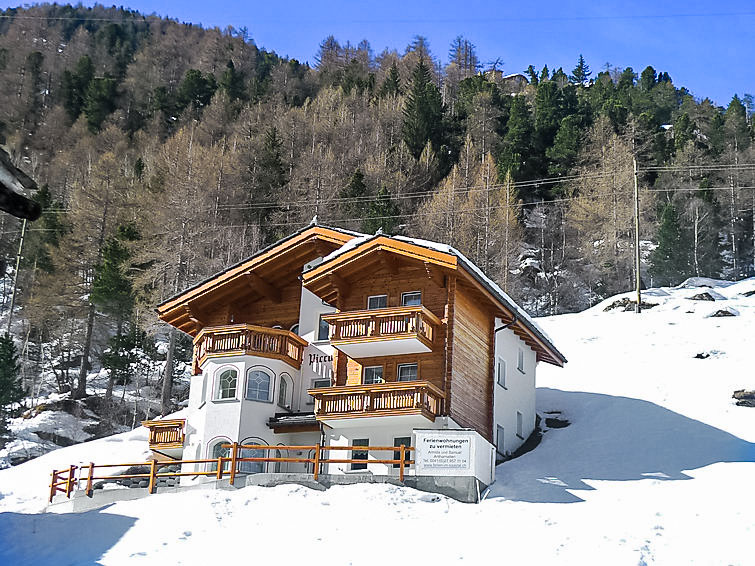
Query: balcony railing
x,y
248,339
383,324
167,434
380,399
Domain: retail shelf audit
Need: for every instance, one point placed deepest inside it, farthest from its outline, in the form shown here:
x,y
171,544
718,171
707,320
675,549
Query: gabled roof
x,y
444,257
269,269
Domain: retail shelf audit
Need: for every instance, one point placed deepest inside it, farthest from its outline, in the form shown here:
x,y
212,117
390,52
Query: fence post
x,y
402,451
53,487
234,451
70,482
316,469
90,489
152,476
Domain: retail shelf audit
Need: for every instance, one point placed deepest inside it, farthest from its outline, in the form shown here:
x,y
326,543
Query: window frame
x,y
216,385
252,440
501,375
500,440
520,360
398,372
397,453
211,446
369,308
270,388
285,382
359,454
316,379
403,304
382,374
519,425
320,327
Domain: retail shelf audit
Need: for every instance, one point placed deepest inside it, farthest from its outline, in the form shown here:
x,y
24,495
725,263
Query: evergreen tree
x,y
382,214
423,113
670,262
99,102
581,73
532,73
75,85
196,90
355,191
517,143
232,82
10,385
565,148
392,83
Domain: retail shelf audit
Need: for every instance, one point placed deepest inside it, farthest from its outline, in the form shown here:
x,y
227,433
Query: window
x,y
251,467
359,454
372,374
284,389
204,390
295,329
406,372
323,330
520,361
318,383
406,441
377,302
501,372
258,385
219,451
499,440
225,387
411,299
519,432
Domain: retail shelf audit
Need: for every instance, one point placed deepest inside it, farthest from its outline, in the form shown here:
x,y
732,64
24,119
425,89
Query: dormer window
x,y
377,302
411,299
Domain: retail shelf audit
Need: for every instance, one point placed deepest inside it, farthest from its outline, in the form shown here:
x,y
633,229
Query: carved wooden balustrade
x,y
383,324
248,339
165,434
379,399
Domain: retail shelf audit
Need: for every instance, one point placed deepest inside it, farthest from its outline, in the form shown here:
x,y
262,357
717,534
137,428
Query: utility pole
x,y
15,276
638,308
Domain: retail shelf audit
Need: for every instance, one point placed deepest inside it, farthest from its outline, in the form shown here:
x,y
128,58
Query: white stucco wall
x,y
519,394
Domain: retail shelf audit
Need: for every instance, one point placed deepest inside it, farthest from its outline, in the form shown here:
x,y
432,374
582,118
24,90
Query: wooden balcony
x,y
397,398
166,435
249,340
383,332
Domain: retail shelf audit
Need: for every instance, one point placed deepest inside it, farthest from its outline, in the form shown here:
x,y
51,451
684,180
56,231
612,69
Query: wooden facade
x,y
250,308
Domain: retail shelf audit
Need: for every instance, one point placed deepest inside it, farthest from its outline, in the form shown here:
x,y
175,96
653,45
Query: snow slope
x,y
656,468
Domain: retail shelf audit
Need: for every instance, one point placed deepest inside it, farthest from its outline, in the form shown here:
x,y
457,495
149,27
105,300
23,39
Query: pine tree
x,y
10,385
382,214
423,113
354,193
517,143
232,82
392,83
670,262
581,73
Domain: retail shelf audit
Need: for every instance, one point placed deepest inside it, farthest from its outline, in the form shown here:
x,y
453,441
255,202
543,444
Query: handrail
x,y
66,481
385,386
386,311
248,339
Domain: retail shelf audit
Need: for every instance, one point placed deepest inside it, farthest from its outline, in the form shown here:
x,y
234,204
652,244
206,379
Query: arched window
x,y
218,451
225,384
252,467
295,329
258,385
285,390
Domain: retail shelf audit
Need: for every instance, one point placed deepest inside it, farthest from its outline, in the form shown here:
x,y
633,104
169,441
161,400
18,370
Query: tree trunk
x,y
84,368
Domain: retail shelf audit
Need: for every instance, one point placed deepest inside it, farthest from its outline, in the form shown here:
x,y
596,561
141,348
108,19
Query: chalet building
x,y
344,339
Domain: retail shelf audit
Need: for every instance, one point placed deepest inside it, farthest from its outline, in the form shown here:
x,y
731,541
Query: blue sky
x,y
707,47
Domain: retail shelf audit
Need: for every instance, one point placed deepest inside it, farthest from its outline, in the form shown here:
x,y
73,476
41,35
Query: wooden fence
x,y
70,479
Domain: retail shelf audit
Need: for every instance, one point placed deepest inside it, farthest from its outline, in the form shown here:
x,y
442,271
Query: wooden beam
x,y
340,284
435,275
259,284
194,317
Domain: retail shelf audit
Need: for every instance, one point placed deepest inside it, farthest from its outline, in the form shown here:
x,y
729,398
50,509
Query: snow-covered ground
x,y
656,468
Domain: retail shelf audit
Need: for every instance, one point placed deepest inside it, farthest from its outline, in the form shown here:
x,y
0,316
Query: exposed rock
x,y
55,438
628,305
702,356
724,312
744,398
705,296
748,293
555,422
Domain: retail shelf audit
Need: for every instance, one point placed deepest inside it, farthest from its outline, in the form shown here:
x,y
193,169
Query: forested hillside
x,y
167,152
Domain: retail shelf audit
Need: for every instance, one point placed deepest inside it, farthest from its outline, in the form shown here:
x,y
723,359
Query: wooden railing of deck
x,y
393,398
387,323
248,339
71,479
166,434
